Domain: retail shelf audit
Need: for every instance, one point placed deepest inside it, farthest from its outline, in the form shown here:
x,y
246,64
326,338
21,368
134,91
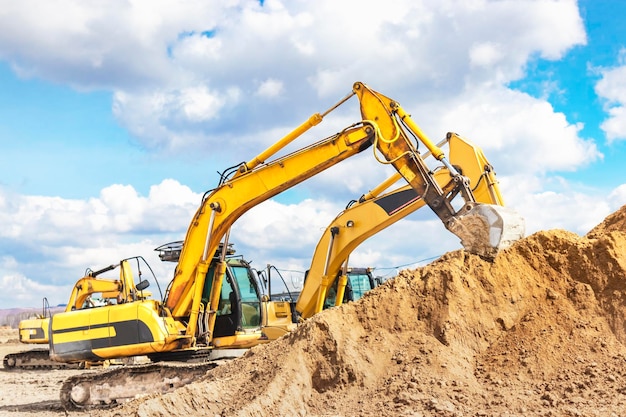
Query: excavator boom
x,y
221,208
484,229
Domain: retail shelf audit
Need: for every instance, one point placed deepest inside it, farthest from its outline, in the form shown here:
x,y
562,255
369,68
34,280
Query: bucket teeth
x,y
485,229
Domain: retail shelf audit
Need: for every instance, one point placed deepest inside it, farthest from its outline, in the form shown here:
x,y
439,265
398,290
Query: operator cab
x,y
360,280
239,308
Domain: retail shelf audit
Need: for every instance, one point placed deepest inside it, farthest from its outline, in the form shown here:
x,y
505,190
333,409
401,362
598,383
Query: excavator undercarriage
x,y
119,385
35,359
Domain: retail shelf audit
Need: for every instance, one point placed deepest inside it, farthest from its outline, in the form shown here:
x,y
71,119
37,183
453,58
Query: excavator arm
x,y
192,298
484,229
375,212
249,187
184,323
87,286
122,290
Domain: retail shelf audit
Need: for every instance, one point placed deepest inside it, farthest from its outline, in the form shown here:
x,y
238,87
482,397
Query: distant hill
x,y
12,316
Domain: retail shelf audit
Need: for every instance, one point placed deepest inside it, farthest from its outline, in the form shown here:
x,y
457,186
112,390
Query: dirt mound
x,y
613,222
539,331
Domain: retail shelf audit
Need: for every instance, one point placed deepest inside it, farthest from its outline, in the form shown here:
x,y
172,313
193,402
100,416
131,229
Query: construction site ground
x,y
540,331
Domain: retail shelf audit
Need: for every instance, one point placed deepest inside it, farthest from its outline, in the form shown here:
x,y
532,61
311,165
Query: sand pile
x,y
539,331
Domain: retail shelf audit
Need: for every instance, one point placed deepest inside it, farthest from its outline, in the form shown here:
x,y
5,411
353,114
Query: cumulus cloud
x,y
37,232
612,88
270,88
75,45
24,291
173,68
173,119
224,80
617,197
271,226
519,133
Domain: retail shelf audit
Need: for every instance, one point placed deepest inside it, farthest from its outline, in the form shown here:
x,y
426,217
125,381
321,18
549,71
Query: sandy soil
x,y
540,331
30,393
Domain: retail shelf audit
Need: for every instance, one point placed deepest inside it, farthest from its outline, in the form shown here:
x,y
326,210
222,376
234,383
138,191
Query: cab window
x,y
360,285
250,304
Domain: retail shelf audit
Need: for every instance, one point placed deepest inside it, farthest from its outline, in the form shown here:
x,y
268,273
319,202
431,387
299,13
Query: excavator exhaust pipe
x,y
485,229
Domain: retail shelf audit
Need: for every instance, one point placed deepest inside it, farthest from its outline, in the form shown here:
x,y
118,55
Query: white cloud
x,y
53,240
195,49
75,43
173,67
612,88
227,79
198,104
26,293
615,125
571,211
516,131
272,225
270,88
171,193
173,119
485,54
617,197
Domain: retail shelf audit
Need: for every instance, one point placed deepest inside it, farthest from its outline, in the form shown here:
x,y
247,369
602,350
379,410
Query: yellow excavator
x,y
356,281
329,277
243,308
183,326
88,292
35,330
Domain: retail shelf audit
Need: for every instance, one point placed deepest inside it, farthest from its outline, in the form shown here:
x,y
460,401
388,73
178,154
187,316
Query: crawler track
x,y
111,388
34,359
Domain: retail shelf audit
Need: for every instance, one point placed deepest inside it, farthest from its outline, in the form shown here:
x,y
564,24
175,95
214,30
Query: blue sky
x,y
59,141
574,78
115,118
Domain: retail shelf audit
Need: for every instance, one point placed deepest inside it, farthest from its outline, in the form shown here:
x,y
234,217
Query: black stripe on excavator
x,y
396,201
126,333
77,329
74,352
33,333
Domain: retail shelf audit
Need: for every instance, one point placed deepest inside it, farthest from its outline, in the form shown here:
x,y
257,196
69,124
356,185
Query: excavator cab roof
x,y
170,252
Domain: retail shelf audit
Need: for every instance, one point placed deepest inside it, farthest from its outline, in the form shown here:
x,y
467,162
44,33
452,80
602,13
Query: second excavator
x,y
88,292
33,331
327,279
182,326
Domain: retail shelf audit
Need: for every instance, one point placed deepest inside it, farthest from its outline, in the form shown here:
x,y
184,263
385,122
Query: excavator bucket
x,y
485,229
